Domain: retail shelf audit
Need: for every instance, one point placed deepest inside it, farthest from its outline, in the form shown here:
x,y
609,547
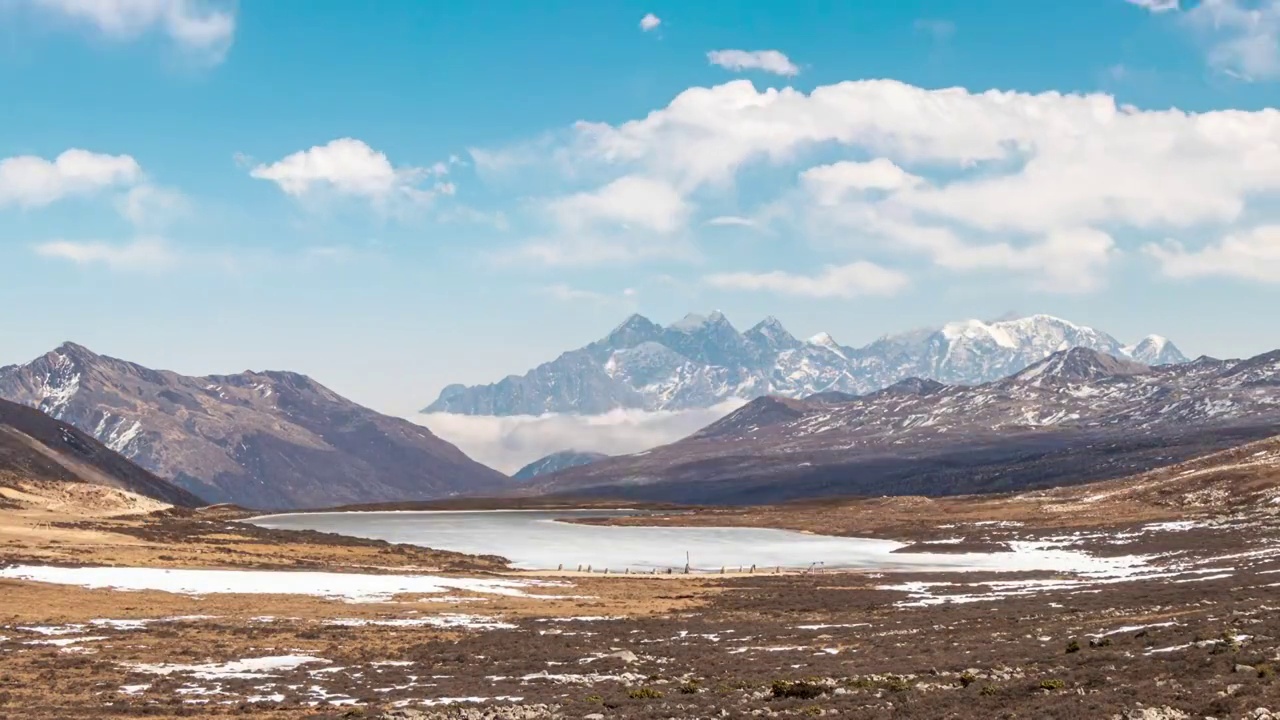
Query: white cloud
x,y
1244,37
843,281
1155,6
197,26
591,250
347,166
1046,188
831,184
770,61
567,294
650,22
632,201
732,221
142,255
31,181
509,443
149,206
1253,254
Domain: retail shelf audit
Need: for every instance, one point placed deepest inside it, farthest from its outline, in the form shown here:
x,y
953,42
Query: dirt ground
x,y
1191,631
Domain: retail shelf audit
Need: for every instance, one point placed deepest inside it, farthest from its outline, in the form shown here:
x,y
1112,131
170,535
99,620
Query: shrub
x,y
799,690
967,679
1053,684
644,693
897,684
1073,646
1265,670
594,699
988,690
689,687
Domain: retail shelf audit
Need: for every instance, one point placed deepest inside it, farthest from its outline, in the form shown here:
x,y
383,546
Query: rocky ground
x,y
1180,618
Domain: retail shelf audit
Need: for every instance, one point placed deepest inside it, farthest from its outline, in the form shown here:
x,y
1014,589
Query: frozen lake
x,y
535,540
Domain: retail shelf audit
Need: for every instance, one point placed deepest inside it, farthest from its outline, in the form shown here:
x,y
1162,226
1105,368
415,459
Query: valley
x,y
288,623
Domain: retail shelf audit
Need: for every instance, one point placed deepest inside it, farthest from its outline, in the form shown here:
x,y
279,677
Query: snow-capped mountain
x,y
259,439
702,360
1075,416
555,462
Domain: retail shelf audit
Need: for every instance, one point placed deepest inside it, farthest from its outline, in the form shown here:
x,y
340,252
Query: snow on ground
x,y
249,668
448,620
344,586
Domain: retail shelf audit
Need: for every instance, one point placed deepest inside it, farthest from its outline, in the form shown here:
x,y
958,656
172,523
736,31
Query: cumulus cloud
x,y
149,206
1253,254
202,28
631,201
30,181
350,167
650,22
830,184
770,61
1243,37
835,281
141,255
1037,186
510,443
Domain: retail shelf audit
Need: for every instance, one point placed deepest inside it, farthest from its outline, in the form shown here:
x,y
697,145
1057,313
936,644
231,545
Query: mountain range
x,y
34,446
270,440
555,462
700,361
1078,415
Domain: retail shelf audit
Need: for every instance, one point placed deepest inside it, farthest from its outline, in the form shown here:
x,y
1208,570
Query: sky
x,y
398,195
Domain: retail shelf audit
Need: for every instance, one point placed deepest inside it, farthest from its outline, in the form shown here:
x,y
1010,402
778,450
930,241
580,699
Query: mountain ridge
x,y
1075,416
35,446
269,439
701,360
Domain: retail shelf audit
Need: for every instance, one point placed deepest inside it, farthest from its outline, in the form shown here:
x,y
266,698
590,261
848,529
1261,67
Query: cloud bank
x,y
510,443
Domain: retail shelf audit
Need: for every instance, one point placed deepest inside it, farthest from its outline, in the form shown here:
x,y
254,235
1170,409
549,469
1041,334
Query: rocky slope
x,y
556,462
700,361
258,439
1076,416
35,447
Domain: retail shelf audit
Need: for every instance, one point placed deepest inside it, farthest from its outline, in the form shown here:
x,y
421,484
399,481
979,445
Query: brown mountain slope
x,y
34,446
257,439
1077,416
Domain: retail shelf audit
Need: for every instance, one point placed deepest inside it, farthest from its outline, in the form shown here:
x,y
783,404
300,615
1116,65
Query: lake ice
x,y
535,540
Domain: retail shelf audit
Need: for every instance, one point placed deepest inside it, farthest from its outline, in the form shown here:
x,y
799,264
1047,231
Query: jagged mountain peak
x,y
1076,365
273,439
706,361
694,322
75,350
913,386
1155,350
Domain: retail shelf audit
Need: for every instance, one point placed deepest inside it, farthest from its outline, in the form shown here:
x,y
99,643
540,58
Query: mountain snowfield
x,y
702,360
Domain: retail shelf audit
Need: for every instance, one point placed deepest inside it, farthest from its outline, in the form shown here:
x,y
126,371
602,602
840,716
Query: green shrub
x,y
967,679
897,684
800,690
644,693
1265,670
989,690
1053,684
688,687
1073,646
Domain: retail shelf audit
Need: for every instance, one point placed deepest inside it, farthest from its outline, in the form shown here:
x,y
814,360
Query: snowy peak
x,y
702,360
826,342
693,322
770,333
1155,350
1077,365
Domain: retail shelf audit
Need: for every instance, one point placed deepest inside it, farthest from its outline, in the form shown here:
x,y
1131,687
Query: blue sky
x,y
398,195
